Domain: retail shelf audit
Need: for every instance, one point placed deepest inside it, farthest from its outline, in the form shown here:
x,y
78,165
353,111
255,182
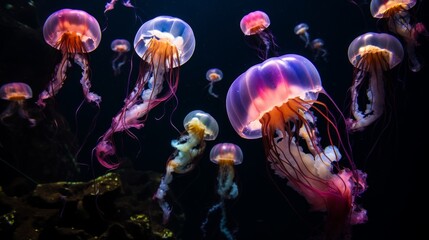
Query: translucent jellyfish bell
x,y
226,153
168,29
16,93
210,124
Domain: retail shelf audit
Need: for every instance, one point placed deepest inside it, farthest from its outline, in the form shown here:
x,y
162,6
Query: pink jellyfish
x,y
163,43
254,25
200,127
277,100
16,93
399,22
372,55
225,155
111,5
302,31
75,33
213,75
120,47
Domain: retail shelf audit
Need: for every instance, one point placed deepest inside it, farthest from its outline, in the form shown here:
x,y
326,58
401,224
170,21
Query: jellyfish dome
x,y
16,91
226,152
254,22
170,29
210,125
375,50
72,22
267,85
385,8
120,45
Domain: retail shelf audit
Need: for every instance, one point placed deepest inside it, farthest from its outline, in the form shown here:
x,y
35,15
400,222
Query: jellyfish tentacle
x,y
56,82
82,61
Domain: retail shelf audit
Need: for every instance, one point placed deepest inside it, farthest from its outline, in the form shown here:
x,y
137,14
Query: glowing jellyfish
x,y
302,31
213,75
277,100
372,54
111,5
200,127
163,43
75,33
318,46
399,22
16,93
120,47
226,155
255,26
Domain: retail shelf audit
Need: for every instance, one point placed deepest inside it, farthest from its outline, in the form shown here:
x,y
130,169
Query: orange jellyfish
x,y
372,55
302,31
225,155
213,75
278,101
163,43
254,25
400,23
120,47
16,93
75,33
200,127
318,46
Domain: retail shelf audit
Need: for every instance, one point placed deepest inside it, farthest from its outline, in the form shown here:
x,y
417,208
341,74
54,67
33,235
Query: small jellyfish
x,y
16,93
318,46
120,47
302,31
225,155
399,22
111,5
200,127
254,25
372,55
213,75
75,33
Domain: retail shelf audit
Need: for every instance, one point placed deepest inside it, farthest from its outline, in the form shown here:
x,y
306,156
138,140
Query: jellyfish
x,y
200,127
254,25
120,47
225,155
400,23
111,5
163,43
213,75
318,46
16,93
75,33
372,55
302,31
278,101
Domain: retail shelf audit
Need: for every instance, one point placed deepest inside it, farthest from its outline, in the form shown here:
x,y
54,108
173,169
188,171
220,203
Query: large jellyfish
x,y
16,93
277,100
399,22
302,31
254,25
75,33
120,47
163,43
213,75
226,155
372,54
200,127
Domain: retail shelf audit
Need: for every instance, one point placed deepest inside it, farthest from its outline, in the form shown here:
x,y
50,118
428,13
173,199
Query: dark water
x,y
391,152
